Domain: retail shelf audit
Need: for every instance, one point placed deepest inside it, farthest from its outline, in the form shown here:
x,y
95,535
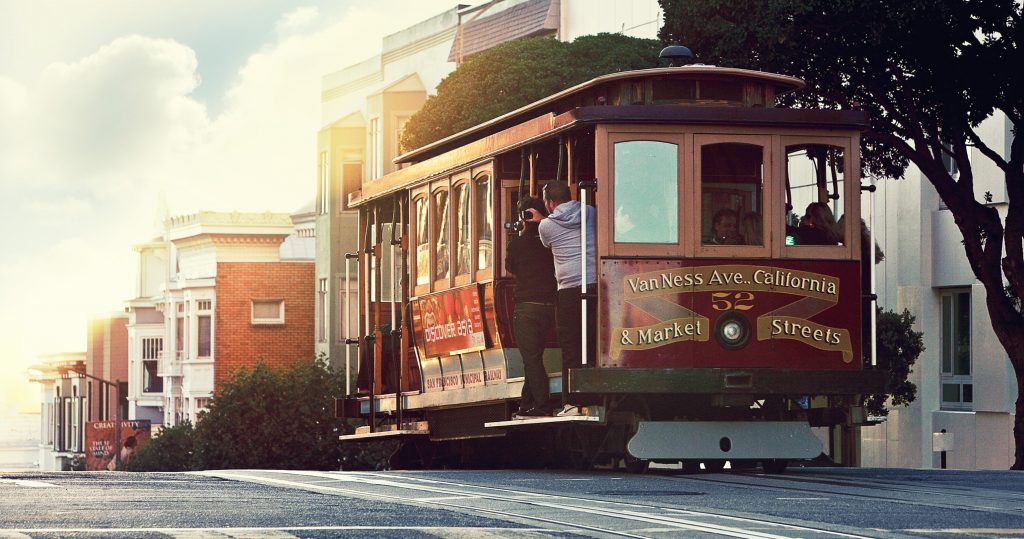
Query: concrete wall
x,y
924,257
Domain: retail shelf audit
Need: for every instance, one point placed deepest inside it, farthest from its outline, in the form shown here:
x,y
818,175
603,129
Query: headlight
x,y
732,330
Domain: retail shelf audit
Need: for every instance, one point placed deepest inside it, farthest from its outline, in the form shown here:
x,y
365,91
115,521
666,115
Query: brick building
x,y
264,310
106,358
217,292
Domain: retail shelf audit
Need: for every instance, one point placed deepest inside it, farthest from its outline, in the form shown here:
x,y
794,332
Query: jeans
x,y
570,332
531,323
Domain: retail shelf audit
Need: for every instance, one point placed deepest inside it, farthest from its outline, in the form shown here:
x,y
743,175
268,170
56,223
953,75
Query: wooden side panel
x,y
794,314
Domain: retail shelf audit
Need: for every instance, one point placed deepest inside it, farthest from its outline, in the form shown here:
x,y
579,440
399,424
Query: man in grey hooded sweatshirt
x,y
560,232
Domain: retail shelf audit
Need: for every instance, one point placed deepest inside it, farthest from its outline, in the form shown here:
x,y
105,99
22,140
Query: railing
x,y
168,370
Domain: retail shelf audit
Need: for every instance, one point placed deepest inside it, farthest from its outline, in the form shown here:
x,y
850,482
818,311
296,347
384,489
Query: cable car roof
x,y
783,84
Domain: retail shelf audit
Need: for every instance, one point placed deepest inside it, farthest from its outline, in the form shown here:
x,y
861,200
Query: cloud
x,y
111,117
89,142
63,207
260,154
296,21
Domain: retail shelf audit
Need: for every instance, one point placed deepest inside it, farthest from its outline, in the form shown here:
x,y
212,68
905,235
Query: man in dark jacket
x,y
561,231
534,268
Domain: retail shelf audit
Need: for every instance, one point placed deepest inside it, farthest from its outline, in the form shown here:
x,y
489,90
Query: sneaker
x,y
569,410
532,413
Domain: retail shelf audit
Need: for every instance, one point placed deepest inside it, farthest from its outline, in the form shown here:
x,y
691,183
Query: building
x,y
79,387
106,364
217,292
364,107
966,388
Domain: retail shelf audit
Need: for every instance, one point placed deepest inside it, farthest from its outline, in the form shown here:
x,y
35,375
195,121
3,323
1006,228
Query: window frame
x,y
768,193
606,226
323,307
453,250
421,193
478,177
948,376
279,321
443,283
851,200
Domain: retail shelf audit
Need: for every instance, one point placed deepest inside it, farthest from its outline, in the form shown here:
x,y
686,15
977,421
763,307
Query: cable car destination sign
x,y
669,295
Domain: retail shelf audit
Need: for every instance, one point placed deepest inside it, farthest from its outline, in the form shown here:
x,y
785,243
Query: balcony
x,y
170,368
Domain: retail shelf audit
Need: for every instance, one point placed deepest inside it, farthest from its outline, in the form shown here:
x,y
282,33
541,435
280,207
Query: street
x,y
804,502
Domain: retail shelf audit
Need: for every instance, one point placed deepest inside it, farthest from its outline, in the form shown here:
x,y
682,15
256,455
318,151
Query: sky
x,y
116,113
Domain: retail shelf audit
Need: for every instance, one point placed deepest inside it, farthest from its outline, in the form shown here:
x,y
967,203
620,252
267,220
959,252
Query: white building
x,y
965,383
64,409
173,332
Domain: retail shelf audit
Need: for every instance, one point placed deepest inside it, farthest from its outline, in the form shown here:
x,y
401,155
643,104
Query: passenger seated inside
x,y
818,226
751,228
725,228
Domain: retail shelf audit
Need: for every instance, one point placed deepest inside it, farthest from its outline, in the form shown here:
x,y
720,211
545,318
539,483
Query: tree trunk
x,y
1018,425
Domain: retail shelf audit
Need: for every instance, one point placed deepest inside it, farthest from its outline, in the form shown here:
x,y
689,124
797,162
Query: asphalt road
x,y
809,502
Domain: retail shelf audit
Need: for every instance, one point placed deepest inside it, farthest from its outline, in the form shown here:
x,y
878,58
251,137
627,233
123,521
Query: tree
x,y
928,72
897,349
517,73
273,418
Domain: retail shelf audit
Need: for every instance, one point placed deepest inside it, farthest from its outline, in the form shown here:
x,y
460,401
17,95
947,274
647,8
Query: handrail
x,y
347,317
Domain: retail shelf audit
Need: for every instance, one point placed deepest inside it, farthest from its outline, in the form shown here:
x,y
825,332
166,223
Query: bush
x,y
170,451
897,349
267,418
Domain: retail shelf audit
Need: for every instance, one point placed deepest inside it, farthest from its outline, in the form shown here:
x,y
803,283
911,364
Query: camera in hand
x,y
515,226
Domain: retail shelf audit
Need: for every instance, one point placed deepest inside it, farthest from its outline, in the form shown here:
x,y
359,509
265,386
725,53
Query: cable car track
x,y
930,496
573,513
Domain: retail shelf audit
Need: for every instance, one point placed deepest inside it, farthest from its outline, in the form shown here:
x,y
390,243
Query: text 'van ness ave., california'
x,y
704,279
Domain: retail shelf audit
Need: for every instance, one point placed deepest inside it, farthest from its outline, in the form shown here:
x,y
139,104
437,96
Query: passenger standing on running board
x,y
534,313
560,231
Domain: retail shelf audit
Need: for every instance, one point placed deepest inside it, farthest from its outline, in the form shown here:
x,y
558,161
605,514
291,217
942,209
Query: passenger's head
x,y
751,228
724,223
555,193
818,215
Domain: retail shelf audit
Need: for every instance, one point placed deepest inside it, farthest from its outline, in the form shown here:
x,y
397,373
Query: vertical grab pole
x,y
347,316
583,271
348,328
871,257
369,338
395,355
871,294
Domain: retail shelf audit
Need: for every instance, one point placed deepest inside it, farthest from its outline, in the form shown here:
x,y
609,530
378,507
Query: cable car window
x,y
815,181
441,268
721,90
422,242
646,192
732,183
673,91
484,219
463,238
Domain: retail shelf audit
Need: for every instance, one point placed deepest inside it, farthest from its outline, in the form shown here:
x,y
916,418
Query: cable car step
x,y
418,428
542,420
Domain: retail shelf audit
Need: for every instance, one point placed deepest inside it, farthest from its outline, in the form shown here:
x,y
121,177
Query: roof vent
x,y
677,55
